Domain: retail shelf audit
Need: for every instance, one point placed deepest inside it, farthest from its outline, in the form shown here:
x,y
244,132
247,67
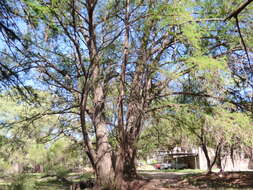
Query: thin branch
x,y
238,10
242,40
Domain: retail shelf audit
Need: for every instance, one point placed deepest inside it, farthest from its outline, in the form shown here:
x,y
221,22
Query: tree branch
x,y
238,10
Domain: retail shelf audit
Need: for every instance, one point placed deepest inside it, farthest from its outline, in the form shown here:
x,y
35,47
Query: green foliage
x,y
25,119
40,12
215,125
200,51
28,137
208,63
192,34
4,164
36,153
160,135
23,182
61,171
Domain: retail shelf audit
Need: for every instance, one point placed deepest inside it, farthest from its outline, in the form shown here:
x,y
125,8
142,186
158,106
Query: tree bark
x,y
130,171
209,166
103,163
125,169
119,167
134,123
104,169
210,163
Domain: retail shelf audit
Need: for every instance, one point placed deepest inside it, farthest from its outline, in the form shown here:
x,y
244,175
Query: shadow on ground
x,y
178,181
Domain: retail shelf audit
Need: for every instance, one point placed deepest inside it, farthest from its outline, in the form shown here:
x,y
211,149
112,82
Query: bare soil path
x,y
181,181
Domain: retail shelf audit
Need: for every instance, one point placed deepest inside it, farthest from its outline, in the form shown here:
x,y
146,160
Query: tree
x,y
112,64
89,56
12,69
34,140
162,133
7,24
231,39
211,121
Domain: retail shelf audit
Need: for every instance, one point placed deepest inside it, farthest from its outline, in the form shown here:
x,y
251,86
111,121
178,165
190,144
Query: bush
x,y
23,182
61,171
57,170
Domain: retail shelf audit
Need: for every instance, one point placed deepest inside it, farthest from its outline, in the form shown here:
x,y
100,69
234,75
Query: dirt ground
x,y
179,181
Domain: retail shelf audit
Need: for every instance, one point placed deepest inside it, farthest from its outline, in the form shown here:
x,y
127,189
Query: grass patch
x,y
39,182
185,171
51,185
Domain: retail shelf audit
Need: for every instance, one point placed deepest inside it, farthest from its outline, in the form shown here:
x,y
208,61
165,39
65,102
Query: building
x,y
194,158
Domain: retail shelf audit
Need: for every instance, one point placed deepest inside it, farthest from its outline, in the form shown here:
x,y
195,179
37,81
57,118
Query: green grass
x,y
44,183
186,171
52,185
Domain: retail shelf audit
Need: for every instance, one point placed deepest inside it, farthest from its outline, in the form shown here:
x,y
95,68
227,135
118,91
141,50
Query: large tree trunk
x,y
104,168
119,167
125,166
134,122
103,163
130,171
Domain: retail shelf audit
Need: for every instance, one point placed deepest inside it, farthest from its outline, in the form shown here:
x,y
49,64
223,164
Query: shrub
x,y
61,171
23,182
